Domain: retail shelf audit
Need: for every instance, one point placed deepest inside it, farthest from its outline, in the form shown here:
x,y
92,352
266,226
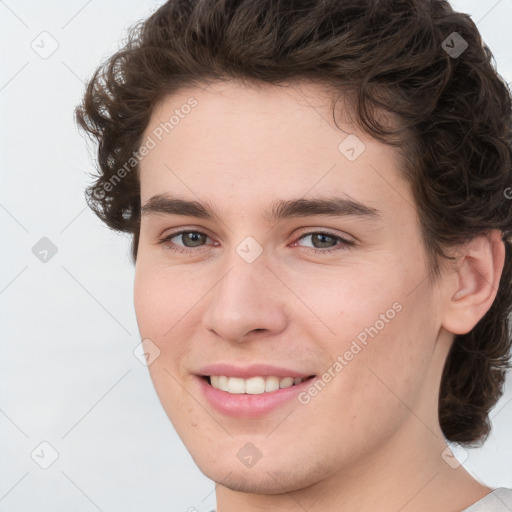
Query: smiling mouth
x,y
254,385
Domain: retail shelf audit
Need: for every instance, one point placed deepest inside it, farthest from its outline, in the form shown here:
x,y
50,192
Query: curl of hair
x,y
454,130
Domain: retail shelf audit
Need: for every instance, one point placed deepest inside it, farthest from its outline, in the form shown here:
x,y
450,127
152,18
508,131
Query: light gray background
x,y
68,328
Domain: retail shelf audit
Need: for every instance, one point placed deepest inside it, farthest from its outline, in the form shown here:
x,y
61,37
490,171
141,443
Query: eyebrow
x,y
280,209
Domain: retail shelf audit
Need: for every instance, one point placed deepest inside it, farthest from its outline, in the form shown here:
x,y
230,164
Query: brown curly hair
x,y
455,133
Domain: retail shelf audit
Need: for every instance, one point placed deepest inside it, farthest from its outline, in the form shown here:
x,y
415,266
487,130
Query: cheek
x,y
160,299
381,344
162,306
372,394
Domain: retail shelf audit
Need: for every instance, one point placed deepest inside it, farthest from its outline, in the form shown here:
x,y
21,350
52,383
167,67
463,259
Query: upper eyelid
x,y
302,231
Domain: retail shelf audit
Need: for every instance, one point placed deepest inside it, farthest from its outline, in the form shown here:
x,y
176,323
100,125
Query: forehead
x,y
230,140
258,118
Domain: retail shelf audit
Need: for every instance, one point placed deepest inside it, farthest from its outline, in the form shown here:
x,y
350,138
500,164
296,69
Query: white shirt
x,y
499,500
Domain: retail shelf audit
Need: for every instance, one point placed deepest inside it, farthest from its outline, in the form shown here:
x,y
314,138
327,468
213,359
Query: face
x,y
336,294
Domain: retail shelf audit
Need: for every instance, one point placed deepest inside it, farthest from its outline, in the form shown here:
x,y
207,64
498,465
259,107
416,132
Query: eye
x,y
195,239
319,237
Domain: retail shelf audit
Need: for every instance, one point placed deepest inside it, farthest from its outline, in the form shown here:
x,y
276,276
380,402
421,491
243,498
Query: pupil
x,y
192,235
323,237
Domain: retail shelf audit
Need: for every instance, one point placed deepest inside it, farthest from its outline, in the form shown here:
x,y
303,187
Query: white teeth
x,y
236,385
271,383
223,383
253,385
286,382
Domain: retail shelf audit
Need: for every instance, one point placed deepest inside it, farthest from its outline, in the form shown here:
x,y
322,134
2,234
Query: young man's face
x,y
250,290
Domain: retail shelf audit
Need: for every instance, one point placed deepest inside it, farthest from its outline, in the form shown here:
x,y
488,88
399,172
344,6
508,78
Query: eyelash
x,y
346,244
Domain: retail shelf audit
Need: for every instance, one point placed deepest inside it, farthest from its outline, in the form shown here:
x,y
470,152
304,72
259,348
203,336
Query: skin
x,y
370,440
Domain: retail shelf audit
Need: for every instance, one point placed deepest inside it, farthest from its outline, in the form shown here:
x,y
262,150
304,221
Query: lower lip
x,y
246,405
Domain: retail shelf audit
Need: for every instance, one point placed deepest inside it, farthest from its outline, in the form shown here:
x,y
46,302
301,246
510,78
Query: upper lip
x,y
252,370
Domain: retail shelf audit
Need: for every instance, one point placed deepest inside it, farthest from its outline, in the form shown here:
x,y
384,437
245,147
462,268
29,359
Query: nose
x,y
249,299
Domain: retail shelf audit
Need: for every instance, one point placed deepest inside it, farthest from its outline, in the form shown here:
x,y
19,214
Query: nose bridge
x,y
247,297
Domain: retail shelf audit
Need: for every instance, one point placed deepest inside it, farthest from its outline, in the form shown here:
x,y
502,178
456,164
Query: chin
x,y
263,478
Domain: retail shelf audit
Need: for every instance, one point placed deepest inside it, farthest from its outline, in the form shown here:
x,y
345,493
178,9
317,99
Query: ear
x,y
473,285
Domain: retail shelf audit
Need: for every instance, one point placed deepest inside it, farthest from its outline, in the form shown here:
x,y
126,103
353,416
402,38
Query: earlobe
x,y
478,272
